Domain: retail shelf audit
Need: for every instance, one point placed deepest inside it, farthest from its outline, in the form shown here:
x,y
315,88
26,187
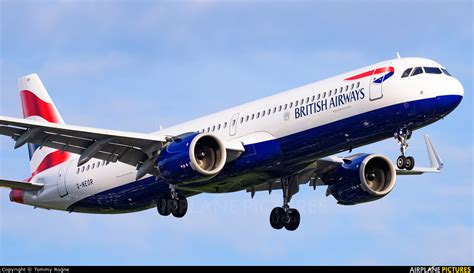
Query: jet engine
x,y
191,158
361,178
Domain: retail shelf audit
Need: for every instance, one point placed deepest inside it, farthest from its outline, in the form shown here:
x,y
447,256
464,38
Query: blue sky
x,y
136,65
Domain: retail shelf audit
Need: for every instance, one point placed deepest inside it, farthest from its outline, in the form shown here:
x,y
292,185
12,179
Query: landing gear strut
x,y
172,203
285,216
404,162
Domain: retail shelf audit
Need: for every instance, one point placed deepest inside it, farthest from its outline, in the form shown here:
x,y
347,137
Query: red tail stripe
x,y
50,161
34,106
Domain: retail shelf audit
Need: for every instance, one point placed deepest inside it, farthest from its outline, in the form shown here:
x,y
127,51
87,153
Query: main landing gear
x,y
285,216
404,162
172,203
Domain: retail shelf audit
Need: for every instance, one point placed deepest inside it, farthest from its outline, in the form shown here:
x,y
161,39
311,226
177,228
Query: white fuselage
x,y
274,117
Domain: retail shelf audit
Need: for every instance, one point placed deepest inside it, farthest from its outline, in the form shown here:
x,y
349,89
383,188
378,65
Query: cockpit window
x,y
432,70
417,71
407,72
445,71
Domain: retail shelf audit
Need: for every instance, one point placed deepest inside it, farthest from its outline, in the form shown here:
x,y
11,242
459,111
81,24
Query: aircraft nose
x,y
451,99
457,87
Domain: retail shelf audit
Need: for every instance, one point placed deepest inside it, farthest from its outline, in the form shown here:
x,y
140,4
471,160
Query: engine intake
x,y
207,154
363,178
191,158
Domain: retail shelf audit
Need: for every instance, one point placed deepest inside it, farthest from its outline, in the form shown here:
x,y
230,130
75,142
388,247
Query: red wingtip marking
x,y
34,106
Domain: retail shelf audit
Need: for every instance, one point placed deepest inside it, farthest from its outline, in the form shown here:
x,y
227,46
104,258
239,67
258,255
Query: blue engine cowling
x,y
191,158
361,178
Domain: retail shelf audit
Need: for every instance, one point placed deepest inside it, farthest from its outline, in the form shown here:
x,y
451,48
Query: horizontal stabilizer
x,y
20,185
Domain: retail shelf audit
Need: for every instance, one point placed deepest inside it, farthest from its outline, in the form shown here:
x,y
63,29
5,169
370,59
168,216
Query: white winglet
x,y
435,160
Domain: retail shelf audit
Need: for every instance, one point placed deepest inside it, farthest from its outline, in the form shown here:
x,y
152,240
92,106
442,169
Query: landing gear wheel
x,y
163,205
409,163
294,220
276,217
180,206
401,162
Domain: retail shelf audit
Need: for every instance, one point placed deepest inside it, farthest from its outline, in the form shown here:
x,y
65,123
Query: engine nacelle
x,y
360,179
191,158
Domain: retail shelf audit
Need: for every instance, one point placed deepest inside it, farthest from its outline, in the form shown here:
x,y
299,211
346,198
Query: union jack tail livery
x,y
38,105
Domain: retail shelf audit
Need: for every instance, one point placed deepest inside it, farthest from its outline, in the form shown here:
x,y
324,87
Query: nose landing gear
x,y
404,162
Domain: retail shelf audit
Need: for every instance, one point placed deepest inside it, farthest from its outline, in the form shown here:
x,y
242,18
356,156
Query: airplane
x,y
275,143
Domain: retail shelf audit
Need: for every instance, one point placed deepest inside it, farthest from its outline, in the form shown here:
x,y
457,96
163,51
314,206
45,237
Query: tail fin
x,y
37,105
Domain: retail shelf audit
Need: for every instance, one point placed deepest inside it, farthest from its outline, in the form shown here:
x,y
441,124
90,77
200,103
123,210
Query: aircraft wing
x,y
331,162
326,164
127,147
20,185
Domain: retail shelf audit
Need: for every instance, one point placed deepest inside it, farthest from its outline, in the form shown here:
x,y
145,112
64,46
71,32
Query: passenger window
x,y
445,71
103,162
319,96
258,114
279,109
274,110
330,92
324,95
93,165
208,129
286,106
358,84
247,118
307,99
296,103
219,126
83,168
241,119
291,104
352,86
406,73
253,116
312,99
98,164
78,169
340,91
432,70
263,113
347,87
417,71
87,168
302,101
225,124
233,122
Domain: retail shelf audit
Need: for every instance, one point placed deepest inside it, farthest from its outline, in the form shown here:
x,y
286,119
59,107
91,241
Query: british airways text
x,y
329,103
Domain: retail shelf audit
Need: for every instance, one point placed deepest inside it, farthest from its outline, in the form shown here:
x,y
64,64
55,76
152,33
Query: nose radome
x,y
457,87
